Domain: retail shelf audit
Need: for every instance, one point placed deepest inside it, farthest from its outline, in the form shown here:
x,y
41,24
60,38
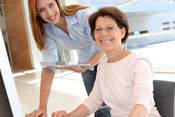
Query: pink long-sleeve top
x,y
122,84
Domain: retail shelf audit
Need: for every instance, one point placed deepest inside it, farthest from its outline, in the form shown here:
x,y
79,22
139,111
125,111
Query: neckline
x,y
126,57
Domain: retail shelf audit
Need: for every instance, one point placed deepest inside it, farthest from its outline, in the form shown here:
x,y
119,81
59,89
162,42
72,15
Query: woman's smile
x,y
106,41
52,17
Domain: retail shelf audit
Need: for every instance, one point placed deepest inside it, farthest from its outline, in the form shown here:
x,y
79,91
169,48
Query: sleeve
x,y
83,17
49,53
94,101
143,83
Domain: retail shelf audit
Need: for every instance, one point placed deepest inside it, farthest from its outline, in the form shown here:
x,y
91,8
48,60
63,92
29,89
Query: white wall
x,y
69,2
152,23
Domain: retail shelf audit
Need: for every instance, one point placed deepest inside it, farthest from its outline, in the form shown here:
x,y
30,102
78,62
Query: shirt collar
x,y
71,20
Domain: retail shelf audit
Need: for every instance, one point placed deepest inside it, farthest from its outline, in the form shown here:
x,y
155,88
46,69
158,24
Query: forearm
x,y
46,82
98,56
138,111
80,111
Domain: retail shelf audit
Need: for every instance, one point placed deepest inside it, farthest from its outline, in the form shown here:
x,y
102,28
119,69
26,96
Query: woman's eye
x,y
51,4
110,28
41,10
98,29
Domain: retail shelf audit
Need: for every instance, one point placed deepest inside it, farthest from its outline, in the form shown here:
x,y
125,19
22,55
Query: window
x,y
168,28
131,33
144,31
165,23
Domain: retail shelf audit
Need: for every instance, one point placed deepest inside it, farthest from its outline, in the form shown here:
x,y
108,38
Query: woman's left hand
x,y
60,113
139,111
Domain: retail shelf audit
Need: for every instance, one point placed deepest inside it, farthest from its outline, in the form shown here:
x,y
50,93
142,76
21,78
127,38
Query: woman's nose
x,y
49,12
103,33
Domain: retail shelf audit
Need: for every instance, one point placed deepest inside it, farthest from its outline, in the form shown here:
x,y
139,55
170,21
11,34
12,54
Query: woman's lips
x,y
105,41
52,18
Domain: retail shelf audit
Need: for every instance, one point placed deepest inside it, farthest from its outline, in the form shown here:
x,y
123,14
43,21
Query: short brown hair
x,y
120,18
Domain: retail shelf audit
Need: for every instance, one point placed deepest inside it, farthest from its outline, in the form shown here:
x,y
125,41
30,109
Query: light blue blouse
x,y
79,38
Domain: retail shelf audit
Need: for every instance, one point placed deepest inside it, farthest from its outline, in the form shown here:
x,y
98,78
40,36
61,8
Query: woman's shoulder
x,y
48,35
82,16
138,56
49,29
139,59
83,13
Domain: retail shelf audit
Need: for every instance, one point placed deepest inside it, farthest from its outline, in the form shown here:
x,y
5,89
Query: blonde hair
x,y
37,23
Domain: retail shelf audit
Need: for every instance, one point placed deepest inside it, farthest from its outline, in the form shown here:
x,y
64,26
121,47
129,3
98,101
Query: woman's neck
x,y
117,55
62,24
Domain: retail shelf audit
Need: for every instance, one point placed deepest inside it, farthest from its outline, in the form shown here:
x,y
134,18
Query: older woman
x,y
125,79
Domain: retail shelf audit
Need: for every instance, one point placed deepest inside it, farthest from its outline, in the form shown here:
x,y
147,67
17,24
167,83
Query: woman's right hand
x,y
37,113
